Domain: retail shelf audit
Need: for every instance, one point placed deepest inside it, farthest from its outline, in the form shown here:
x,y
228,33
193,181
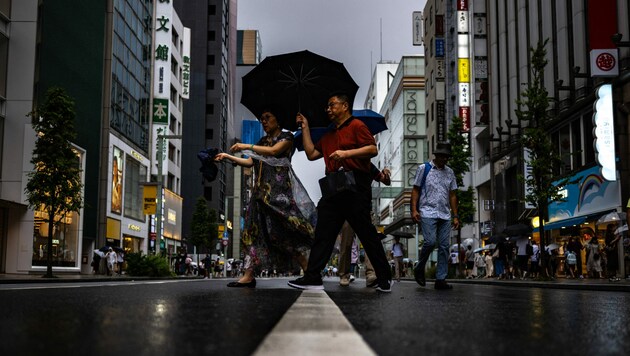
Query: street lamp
x,y
225,231
158,212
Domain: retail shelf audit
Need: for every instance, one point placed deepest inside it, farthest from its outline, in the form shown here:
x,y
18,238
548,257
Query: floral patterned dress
x,y
280,218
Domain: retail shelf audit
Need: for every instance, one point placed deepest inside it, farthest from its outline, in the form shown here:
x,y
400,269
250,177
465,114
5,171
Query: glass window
x,y
135,174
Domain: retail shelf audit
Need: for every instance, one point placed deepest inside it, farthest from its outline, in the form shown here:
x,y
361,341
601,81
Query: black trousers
x,y
354,207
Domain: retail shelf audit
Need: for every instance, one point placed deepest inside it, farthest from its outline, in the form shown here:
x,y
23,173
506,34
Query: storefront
x,y
586,200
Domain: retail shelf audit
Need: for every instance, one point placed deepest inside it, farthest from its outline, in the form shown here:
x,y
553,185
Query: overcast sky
x,y
348,31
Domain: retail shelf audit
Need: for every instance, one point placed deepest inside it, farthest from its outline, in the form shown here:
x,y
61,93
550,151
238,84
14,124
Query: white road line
x,y
313,325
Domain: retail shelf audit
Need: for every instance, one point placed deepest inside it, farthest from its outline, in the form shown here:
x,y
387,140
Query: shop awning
x,y
564,223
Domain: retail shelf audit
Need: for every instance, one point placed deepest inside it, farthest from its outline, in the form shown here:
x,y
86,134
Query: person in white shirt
x,y
111,261
398,251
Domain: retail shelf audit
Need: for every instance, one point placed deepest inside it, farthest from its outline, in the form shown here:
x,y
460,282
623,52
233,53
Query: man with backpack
x,y
433,205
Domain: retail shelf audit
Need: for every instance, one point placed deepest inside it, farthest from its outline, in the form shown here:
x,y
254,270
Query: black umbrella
x,y
208,169
373,120
496,238
519,229
403,234
297,82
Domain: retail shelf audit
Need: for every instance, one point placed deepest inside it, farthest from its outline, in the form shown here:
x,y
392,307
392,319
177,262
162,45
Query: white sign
x,y
464,94
604,62
527,172
417,28
604,132
186,65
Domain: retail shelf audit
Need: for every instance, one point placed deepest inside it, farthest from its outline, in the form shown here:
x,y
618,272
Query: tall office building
x,y
102,54
209,114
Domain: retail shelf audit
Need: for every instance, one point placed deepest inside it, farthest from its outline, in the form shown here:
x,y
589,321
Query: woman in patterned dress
x,y
280,216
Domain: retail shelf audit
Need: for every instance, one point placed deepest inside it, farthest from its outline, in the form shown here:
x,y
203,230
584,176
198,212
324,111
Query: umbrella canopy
x,y
485,248
612,217
551,247
99,252
403,234
297,82
373,120
621,229
496,238
518,230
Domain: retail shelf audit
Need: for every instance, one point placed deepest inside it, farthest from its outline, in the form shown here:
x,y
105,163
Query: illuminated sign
x,y
604,132
463,70
133,227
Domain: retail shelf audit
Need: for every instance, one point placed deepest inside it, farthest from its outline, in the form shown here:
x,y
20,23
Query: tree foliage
x,y
460,162
54,186
204,227
533,110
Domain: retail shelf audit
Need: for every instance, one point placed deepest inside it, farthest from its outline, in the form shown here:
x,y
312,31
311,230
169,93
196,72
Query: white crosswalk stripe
x,y
313,325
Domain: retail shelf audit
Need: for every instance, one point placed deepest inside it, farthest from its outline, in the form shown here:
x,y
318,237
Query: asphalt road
x,y
203,317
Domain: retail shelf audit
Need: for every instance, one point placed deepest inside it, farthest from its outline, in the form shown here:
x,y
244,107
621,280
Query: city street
x,y
199,317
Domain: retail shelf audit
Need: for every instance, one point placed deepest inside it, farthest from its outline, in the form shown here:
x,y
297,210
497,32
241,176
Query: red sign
x,y
462,5
605,62
464,113
152,235
224,242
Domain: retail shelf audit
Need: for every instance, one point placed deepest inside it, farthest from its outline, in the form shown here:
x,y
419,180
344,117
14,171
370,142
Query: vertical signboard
x,y
414,129
604,132
186,64
417,28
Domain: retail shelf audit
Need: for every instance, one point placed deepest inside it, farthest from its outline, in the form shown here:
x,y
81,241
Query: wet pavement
x,y
190,316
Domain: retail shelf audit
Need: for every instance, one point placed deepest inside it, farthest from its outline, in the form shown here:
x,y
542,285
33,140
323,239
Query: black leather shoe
x,y
418,274
441,284
251,284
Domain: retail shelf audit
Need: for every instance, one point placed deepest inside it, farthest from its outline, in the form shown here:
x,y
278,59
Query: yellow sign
x,y
149,196
221,228
463,70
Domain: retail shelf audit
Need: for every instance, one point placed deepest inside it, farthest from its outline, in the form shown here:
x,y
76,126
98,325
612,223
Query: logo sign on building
x,y
162,60
186,64
464,114
417,28
527,173
604,54
439,69
440,111
149,198
463,70
464,94
160,111
604,132
604,62
462,21
439,47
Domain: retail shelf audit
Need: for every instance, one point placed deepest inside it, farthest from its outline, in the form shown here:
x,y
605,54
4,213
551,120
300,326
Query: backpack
x,y
571,258
529,250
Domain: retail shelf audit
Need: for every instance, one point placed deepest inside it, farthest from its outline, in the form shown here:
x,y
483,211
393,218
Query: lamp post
x,y
225,231
158,212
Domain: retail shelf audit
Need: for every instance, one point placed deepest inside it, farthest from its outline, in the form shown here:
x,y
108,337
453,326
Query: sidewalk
x,y
560,283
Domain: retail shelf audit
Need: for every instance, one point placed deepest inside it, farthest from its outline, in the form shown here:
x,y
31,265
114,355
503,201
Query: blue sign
x,y
439,47
225,235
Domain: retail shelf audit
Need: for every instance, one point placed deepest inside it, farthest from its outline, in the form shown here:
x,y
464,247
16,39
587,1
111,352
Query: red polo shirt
x,y
351,134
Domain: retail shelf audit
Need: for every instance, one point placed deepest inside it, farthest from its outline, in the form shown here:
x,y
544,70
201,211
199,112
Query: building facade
x,y
104,56
209,114
401,147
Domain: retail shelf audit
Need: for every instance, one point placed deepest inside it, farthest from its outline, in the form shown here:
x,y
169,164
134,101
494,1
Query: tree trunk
x,y
51,225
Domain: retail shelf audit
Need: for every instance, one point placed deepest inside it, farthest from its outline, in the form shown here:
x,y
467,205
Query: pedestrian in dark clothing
x,y
347,192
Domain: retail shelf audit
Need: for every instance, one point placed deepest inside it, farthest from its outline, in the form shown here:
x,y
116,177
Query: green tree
x,y
533,105
460,164
54,186
204,227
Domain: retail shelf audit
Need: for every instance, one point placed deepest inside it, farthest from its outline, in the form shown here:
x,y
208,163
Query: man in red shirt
x,y
348,148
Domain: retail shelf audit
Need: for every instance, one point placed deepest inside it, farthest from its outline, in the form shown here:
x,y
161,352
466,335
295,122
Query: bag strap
x,y
427,168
